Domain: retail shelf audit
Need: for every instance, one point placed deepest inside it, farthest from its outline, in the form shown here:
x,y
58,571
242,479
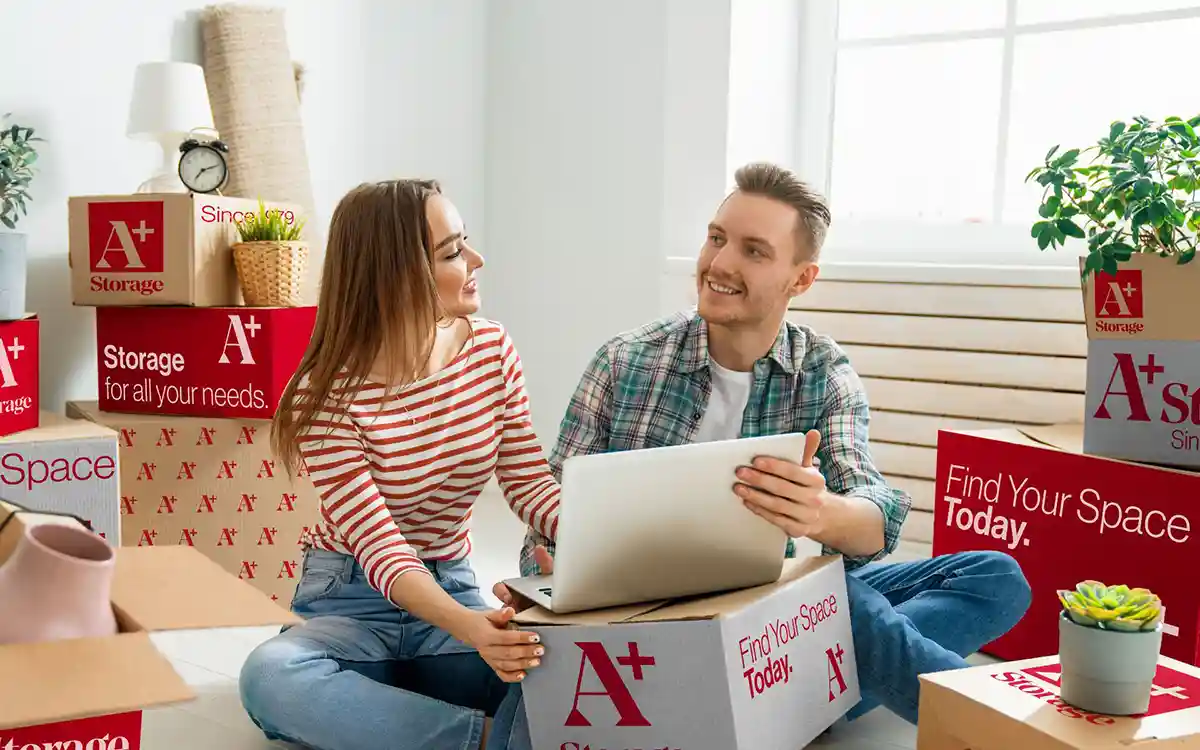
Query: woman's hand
x,y
545,563
509,652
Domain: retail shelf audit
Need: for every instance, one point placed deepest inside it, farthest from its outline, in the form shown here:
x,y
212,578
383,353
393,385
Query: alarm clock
x,y
202,165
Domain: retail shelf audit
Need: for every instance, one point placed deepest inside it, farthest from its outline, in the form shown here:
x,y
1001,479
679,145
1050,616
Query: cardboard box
x,y
212,484
1143,372
158,248
77,691
19,387
200,362
767,668
65,466
1067,517
1017,705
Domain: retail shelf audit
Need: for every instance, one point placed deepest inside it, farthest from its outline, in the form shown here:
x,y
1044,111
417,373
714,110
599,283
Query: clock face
x,y
202,169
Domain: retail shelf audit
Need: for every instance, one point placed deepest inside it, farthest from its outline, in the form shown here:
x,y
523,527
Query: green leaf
x,y
1115,130
1043,238
1050,207
1109,265
1069,228
1037,228
1187,256
1050,153
1139,161
8,222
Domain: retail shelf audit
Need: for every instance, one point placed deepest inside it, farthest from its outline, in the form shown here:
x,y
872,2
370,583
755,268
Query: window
x,y
920,119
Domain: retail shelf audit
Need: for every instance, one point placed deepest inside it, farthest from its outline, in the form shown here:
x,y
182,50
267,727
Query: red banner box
x,y
19,389
231,362
1067,517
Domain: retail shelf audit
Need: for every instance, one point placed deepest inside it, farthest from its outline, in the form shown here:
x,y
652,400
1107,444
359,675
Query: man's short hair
x,y
773,181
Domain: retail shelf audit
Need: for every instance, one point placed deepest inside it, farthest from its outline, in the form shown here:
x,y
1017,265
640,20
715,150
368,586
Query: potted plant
x,y
1135,191
271,259
17,157
1108,646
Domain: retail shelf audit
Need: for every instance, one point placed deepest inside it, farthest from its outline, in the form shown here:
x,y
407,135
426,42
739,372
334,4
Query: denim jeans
x,y
361,674
909,618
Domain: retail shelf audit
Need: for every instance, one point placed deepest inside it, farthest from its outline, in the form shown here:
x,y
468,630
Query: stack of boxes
x,y
188,379
49,463
1113,498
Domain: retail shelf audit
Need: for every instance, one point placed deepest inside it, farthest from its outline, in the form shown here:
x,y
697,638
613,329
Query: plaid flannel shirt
x,y
648,387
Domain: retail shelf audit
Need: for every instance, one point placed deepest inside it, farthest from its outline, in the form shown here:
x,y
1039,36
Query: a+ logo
x,y
1151,368
635,661
15,348
142,231
252,327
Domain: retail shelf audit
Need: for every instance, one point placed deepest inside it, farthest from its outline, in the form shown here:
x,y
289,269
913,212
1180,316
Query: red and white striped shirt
x,y
397,470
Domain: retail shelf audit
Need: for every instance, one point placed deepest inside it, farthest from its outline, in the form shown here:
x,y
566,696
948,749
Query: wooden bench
x,y
951,355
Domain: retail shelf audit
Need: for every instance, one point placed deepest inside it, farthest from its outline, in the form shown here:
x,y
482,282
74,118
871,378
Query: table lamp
x,y
170,100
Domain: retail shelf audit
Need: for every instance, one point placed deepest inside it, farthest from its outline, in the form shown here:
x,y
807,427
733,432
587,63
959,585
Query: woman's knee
x,y
273,677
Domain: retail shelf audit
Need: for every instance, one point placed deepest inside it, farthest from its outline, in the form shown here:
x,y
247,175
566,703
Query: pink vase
x,y
56,585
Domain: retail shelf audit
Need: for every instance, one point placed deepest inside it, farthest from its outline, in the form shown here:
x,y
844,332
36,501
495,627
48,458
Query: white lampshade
x,y
168,97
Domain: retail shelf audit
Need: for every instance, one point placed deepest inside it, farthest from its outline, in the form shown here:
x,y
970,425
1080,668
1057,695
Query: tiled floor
x,y
210,662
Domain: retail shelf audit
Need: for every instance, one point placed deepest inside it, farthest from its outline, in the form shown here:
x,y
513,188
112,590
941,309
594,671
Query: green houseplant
x,y
1109,639
1136,190
18,154
271,258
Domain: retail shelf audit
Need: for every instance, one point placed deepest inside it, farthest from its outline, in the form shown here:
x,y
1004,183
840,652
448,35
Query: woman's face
x,y
454,261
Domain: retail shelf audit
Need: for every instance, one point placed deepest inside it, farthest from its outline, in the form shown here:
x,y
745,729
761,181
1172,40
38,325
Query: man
x,y
735,367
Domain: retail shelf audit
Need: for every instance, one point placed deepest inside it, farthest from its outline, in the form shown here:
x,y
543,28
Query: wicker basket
x,y
271,272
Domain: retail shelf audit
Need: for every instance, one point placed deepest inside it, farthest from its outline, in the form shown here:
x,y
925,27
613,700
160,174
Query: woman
x,y
403,407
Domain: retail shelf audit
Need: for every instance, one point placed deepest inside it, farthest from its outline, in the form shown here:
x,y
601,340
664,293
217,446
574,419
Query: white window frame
x,y
913,249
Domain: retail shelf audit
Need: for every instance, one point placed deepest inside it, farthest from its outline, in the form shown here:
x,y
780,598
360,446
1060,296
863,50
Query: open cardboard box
x,y
154,589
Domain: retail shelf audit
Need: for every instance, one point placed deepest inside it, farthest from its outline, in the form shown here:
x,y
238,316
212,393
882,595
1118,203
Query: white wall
x,y
605,147
392,89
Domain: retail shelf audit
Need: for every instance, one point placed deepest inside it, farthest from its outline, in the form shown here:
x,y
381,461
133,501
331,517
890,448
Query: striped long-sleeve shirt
x,y
397,470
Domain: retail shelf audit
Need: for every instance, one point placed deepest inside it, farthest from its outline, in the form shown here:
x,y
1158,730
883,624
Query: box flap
x,y
26,316
704,607
177,587
54,426
537,615
731,602
75,679
1067,437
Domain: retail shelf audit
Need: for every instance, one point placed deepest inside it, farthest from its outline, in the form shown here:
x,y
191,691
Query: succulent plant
x,y
1121,608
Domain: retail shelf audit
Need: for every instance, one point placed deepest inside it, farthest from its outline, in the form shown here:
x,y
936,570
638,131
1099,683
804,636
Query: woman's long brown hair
x,y
378,296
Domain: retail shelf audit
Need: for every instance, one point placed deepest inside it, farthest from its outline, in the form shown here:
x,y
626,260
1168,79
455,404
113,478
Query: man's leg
x,y
962,601
956,603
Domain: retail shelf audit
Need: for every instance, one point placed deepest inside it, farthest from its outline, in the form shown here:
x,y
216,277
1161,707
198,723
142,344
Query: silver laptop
x,y
644,525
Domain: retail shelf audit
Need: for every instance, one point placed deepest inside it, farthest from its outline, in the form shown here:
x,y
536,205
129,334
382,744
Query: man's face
x,y
748,268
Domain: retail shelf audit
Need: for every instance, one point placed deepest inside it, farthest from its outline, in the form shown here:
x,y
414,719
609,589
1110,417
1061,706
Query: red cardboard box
x,y
1067,517
231,362
158,248
19,375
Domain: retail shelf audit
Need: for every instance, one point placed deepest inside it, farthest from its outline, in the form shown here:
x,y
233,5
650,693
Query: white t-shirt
x,y
722,420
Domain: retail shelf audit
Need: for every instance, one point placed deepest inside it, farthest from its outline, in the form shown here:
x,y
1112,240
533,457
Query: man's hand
x,y
791,496
509,652
545,565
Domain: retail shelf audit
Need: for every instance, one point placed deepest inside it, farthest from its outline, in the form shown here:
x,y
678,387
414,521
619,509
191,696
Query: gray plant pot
x,y
1107,671
13,267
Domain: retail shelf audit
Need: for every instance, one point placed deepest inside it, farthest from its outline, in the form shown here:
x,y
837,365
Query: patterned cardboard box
x,y
213,484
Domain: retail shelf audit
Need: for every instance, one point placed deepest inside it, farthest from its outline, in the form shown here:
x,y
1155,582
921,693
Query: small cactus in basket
x,y
1120,608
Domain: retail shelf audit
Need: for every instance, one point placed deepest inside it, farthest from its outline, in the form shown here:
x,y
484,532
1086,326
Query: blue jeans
x,y
910,618
361,674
